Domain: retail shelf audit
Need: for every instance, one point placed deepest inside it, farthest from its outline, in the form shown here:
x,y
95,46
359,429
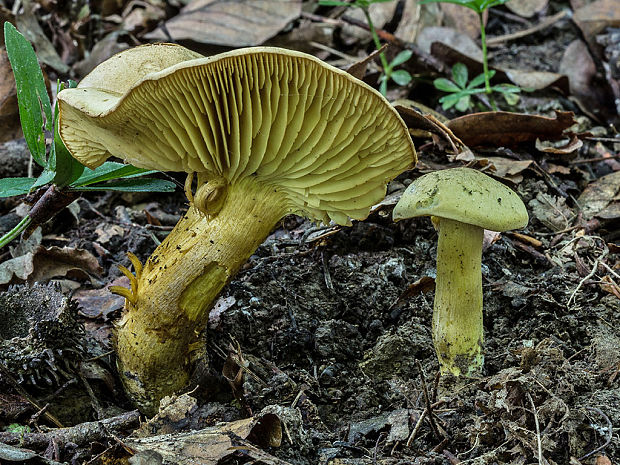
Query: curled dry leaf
x,y
504,129
601,197
43,264
570,146
230,23
211,445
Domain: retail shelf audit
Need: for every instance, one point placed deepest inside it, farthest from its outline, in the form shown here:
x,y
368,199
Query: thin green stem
x,y
16,231
485,63
375,38
485,60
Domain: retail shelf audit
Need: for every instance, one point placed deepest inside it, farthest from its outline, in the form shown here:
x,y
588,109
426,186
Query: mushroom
x,y
463,202
266,132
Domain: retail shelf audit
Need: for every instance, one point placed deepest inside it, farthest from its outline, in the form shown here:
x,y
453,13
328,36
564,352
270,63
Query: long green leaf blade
x,y
109,170
31,92
131,185
10,187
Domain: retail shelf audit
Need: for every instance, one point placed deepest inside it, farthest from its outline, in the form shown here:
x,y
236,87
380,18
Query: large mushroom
x,y
463,203
265,132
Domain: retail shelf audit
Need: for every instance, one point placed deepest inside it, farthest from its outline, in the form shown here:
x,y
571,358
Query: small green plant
x,y
480,6
63,177
460,90
400,76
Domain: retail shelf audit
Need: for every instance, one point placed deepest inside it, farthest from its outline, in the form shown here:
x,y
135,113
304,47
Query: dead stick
x,y
79,434
493,41
429,406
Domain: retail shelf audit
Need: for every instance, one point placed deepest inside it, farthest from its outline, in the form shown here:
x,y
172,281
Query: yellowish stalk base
x,y
457,315
167,312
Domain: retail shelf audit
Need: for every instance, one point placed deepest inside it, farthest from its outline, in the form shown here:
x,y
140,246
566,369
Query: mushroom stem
x,y
457,315
160,332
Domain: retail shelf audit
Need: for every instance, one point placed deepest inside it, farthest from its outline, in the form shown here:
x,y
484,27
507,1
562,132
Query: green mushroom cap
x,y
464,195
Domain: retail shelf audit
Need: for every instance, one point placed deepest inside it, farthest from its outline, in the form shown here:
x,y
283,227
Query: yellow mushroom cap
x,y
326,140
464,195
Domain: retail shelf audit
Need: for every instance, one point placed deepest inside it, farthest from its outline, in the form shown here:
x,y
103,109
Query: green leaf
x,y
511,99
10,187
131,185
401,77
333,3
506,88
463,104
31,92
445,85
383,86
479,80
466,3
448,101
67,168
401,58
44,178
109,170
460,75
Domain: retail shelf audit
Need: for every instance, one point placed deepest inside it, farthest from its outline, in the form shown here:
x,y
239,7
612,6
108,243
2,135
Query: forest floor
x,y
328,328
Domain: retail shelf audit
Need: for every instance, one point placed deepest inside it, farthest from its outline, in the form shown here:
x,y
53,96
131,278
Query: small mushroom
x,y
463,202
265,132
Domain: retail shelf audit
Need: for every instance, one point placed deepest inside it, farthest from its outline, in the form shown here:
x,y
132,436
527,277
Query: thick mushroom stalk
x,y
265,132
463,202
178,284
457,312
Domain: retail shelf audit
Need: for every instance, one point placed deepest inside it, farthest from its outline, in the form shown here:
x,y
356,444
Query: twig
x,y
326,274
594,160
416,428
80,434
526,32
541,460
429,406
610,432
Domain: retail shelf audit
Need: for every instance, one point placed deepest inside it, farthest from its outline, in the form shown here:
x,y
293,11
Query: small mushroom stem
x,y
457,314
159,333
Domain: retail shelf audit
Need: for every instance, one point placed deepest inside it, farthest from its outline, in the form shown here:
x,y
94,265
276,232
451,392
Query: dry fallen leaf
x,y
596,16
28,25
230,23
462,19
502,129
100,303
526,8
592,92
42,264
416,18
507,168
211,445
10,126
599,195
565,148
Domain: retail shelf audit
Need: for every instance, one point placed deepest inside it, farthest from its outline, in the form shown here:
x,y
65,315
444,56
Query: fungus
x,y
462,202
265,132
